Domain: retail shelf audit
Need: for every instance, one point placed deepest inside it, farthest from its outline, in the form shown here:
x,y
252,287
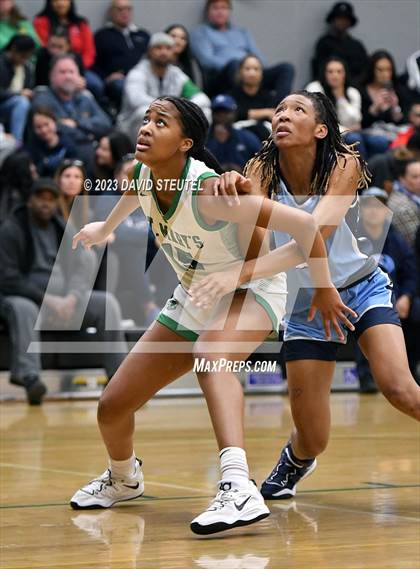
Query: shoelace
x,y
222,497
278,467
101,482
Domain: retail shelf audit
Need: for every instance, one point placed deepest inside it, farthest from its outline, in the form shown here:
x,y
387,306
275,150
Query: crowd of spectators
x,y
71,102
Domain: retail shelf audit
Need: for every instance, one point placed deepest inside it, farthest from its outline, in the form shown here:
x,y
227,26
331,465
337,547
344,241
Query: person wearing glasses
x,y
120,44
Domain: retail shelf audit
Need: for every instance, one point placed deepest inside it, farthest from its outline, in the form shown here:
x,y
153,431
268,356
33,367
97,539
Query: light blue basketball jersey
x,y
348,265
346,262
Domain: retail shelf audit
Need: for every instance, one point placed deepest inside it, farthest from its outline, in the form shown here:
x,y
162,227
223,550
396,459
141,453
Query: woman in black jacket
x,y
383,98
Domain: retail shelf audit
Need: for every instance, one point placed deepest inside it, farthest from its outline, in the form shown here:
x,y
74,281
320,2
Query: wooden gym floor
x,y
360,509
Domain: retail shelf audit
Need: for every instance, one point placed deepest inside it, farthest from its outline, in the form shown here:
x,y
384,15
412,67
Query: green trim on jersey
x,y
177,328
166,216
136,175
219,224
268,309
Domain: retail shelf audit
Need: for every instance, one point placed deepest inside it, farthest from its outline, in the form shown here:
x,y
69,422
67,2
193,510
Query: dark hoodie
x,y
17,258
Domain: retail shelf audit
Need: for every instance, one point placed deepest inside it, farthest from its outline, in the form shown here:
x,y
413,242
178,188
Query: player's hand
x,y
332,309
212,288
403,305
69,122
230,184
63,307
91,234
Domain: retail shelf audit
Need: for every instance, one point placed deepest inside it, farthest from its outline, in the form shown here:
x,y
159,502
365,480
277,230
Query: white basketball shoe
x,y
232,507
105,491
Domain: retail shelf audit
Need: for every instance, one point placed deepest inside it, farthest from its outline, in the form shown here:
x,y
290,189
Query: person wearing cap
x,y
39,280
337,41
380,238
231,146
155,76
220,46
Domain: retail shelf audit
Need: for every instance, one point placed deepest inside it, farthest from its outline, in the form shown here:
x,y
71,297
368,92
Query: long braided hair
x,y
328,152
195,126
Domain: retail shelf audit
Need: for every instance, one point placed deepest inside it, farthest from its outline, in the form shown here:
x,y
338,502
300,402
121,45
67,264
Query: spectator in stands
x,y
70,177
48,145
16,83
219,46
63,13
413,128
413,73
17,175
58,44
231,146
182,56
153,77
386,168
333,82
13,22
109,152
255,103
8,144
76,110
75,205
383,99
337,41
404,200
130,246
119,47
34,274
397,258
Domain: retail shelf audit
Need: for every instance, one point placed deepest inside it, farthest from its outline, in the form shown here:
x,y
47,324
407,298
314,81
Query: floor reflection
x,y
248,561
121,532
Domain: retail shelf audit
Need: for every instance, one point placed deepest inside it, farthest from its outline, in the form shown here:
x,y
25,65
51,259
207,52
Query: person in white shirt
x,y
155,76
347,100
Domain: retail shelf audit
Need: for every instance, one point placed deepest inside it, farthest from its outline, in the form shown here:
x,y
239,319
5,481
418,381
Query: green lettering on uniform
x,y
164,229
182,257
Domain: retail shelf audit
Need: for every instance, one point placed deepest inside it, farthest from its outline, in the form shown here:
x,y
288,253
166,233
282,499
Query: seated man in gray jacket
x,y
44,282
155,76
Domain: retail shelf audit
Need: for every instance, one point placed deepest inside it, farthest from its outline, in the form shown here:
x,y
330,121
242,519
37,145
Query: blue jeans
x,y
95,84
279,78
114,90
14,111
369,144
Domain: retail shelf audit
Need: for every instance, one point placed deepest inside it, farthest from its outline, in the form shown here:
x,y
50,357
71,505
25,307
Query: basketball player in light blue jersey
x,y
198,237
306,165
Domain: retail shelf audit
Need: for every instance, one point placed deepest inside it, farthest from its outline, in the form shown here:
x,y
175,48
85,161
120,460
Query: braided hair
x,y
328,152
195,126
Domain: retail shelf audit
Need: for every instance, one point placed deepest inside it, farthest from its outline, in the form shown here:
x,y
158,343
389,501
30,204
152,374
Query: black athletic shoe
x,y
281,484
35,390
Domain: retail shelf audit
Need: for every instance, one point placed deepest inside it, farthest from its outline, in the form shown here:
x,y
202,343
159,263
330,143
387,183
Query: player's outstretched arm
x,y
98,232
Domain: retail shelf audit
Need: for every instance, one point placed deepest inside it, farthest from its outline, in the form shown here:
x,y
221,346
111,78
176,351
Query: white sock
x,y
123,468
233,465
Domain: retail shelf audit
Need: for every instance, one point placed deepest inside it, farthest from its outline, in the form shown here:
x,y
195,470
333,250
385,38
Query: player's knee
x,y
107,410
404,397
206,356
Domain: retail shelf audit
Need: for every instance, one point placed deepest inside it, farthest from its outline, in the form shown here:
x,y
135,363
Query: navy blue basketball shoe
x,y
281,484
